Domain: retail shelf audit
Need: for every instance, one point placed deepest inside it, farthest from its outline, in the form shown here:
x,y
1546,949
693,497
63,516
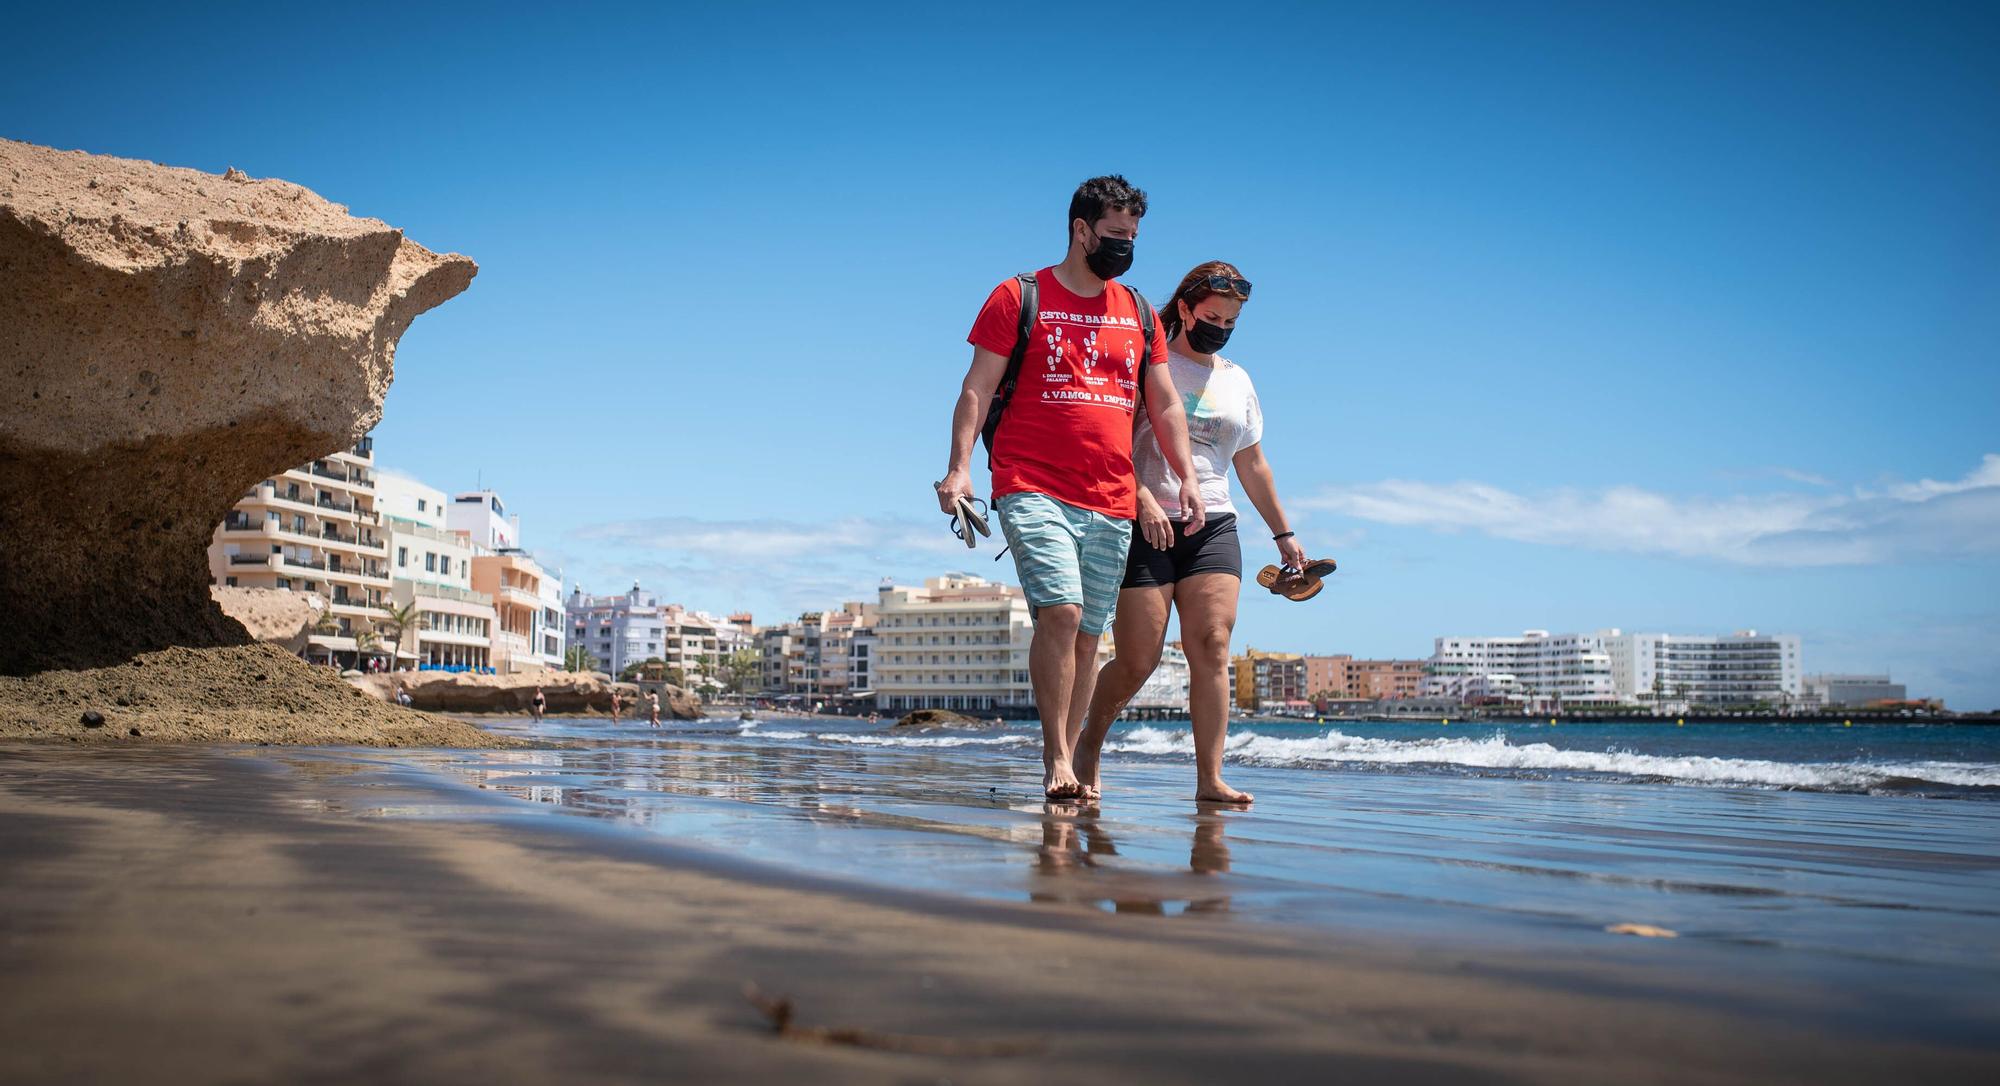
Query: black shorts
x,y
1214,549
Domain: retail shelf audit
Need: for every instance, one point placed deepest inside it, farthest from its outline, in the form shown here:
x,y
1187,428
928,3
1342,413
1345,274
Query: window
x,y
430,562
229,581
444,564
402,556
420,505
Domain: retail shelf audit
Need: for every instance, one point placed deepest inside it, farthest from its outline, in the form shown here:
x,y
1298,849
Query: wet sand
x,y
217,914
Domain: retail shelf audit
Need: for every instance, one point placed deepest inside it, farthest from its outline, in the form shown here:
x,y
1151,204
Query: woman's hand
x,y
1290,554
1154,527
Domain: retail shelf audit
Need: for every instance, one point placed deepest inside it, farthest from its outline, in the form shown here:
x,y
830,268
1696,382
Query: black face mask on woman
x,y
1206,338
1111,259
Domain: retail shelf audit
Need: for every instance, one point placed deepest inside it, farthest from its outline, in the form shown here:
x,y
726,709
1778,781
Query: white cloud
x,y
771,565
1924,519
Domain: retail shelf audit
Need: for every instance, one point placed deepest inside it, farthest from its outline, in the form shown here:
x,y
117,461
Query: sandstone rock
x,y
937,718
565,691
284,619
167,338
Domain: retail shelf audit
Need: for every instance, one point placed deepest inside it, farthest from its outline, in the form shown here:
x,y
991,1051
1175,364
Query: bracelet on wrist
x,y
1283,535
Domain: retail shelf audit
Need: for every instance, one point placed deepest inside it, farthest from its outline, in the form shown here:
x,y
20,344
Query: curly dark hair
x,y
1193,289
1100,194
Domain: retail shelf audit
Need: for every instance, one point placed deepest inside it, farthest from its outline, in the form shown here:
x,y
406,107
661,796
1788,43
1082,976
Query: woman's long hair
x,y
1194,287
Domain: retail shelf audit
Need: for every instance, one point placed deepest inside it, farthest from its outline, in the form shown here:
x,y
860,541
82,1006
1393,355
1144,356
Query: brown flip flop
x,y
1297,585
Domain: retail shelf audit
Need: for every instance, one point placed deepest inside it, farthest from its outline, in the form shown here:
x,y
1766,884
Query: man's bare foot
x,y
1059,783
1218,792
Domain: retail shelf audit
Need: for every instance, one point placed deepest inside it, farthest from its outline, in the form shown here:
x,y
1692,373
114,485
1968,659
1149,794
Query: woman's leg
x,y
1137,632
1208,617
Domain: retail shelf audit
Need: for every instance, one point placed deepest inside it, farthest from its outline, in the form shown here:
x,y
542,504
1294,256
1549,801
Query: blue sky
x,y
1567,316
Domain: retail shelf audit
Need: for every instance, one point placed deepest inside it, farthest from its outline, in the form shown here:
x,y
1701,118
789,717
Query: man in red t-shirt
x,y
1062,456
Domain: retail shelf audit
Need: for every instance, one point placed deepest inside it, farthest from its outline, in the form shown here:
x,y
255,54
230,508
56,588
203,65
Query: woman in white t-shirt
x,y
1200,573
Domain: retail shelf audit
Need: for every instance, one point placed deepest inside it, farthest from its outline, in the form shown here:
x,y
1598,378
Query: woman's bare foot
x,y
1085,767
1058,782
1216,791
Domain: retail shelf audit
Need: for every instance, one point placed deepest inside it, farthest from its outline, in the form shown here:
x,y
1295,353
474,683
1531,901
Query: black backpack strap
x,y
1148,322
1031,302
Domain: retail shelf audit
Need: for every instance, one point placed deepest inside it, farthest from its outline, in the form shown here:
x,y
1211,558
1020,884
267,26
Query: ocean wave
x,y
1497,753
918,741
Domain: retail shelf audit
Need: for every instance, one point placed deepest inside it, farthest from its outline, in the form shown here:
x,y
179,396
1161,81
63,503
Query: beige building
x,y
513,581
315,529
958,642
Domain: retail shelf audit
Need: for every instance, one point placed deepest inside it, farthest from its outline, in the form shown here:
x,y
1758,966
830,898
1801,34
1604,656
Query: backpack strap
x,y
1031,303
1147,326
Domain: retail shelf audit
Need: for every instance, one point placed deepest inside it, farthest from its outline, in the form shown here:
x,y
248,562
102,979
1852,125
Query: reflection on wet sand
x,y
1071,867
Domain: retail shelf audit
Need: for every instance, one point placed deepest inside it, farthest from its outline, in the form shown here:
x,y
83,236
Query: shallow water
x,y
1519,836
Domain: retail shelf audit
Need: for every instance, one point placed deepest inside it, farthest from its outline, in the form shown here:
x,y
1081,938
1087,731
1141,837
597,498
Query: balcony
x,y
334,504
250,559
304,563
328,471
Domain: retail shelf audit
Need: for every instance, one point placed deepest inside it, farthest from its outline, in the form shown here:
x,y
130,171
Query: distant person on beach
x,y
402,695
538,703
617,703
653,708
1068,387
1176,561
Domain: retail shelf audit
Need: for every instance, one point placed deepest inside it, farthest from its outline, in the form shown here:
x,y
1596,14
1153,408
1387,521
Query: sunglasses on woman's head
x,y
1222,284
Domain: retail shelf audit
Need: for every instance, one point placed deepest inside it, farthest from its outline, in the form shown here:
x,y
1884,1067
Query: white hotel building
x,y
1611,667
431,567
1536,669
959,642
1736,669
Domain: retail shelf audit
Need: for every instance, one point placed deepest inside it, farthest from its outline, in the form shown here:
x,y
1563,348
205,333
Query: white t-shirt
x,y
1223,420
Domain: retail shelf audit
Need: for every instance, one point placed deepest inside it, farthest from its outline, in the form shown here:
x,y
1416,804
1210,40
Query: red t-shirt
x,y
1067,432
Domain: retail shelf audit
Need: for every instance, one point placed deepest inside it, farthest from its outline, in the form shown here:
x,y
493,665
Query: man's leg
x,y
1138,632
1052,669
1048,559
1103,550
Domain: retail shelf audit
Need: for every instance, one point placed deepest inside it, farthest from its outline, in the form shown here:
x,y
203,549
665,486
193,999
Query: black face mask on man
x,y
1111,259
1206,338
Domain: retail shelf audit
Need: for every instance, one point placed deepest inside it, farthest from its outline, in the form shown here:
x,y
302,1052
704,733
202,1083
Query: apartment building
x,y
1269,680
1742,668
635,626
315,529
1537,670
430,567
1343,678
958,642
521,636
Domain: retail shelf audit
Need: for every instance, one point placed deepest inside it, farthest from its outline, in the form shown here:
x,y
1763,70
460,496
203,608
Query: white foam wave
x,y
1495,752
929,740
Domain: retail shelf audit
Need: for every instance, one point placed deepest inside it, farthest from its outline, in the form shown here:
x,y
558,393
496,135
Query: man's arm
x,y
967,417
1163,406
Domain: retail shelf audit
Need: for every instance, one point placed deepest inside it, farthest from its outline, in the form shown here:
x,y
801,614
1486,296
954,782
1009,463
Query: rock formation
x,y
284,619
167,338
565,691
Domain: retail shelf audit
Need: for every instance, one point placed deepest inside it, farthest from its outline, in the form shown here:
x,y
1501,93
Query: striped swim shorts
x,y
1066,555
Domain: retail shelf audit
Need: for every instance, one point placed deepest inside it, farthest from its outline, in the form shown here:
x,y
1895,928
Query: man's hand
x,y
1154,527
954,485
1193,514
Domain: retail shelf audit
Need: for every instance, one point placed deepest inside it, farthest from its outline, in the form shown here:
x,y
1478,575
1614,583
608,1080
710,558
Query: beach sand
x,y
255,693
230,914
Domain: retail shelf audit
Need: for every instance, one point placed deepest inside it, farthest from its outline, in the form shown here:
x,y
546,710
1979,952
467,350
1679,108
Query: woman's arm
x,y
1262,487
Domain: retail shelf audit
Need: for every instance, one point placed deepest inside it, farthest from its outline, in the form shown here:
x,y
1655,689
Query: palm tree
x,y
579,658
365,642
397,620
